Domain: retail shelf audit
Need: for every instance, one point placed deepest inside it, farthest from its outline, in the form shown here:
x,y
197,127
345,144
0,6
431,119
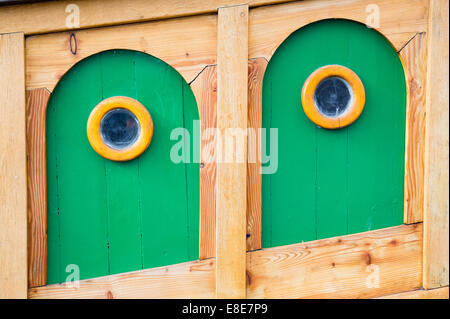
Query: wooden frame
x,y
13,168
339,267
415,33
436,206
231,192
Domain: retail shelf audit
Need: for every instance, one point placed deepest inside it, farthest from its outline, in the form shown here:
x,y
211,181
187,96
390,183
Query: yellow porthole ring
x,y
145,128
356,104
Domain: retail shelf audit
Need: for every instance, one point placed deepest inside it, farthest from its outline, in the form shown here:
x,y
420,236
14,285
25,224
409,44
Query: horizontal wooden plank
x,y
269,26
187,280
35,18
439,293
187,44
340,267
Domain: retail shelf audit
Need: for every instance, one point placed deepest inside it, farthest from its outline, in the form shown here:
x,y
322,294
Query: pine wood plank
x,y
439,293
34,18
37,186
256,70
339,267
13,168
187,44
436,203
190,280
205,90
232,110
414,56
330,268
269,26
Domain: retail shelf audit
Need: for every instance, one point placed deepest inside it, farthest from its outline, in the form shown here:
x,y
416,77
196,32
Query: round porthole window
x,y
120,128
333,97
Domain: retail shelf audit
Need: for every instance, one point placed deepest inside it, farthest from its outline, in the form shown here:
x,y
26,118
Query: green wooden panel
x,y
334,182
110,217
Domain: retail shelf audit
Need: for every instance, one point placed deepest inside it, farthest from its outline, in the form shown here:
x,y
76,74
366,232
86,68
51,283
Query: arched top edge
x,y
75,63
389,39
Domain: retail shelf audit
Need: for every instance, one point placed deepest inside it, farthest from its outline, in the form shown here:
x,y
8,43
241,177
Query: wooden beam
x,y
34,18
439,293
436,204
414,59
191,280
187,44
232,110
364,265
205,90
36,107
339,267
13,168
269,26
256,69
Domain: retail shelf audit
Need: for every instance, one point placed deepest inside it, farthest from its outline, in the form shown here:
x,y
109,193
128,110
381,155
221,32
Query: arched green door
x,y
110,217
334,182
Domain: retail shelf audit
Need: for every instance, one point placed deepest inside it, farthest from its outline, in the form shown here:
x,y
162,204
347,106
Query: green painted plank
x,y
192,171
332,145
76,187
334,182
122,178
166,235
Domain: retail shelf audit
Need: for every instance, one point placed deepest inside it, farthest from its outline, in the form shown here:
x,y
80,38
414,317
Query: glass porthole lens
x,y
332,96
119,129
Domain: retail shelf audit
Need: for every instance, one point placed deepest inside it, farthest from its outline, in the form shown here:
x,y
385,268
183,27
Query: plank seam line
x,y
407,42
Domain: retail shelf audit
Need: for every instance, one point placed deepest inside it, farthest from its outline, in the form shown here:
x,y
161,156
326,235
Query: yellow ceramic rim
x,y
141,113
353,111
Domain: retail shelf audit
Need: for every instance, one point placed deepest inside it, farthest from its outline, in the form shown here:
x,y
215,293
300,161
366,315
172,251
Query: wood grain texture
x,y
37,186
331,268
339,267
439,293
190,280
205,88
414,57
436,202
187,44
34,18
256,69
232,112
13,168
205,91
269,26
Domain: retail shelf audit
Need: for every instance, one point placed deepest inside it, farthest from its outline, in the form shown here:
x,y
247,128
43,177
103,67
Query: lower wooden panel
x,y
187,280
339,267
440,293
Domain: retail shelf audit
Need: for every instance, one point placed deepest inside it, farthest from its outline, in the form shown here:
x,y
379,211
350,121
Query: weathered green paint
x,y
111,217
334,182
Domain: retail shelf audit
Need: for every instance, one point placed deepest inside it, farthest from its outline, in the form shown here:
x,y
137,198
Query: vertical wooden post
x,y
232,108
13,168
436,204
